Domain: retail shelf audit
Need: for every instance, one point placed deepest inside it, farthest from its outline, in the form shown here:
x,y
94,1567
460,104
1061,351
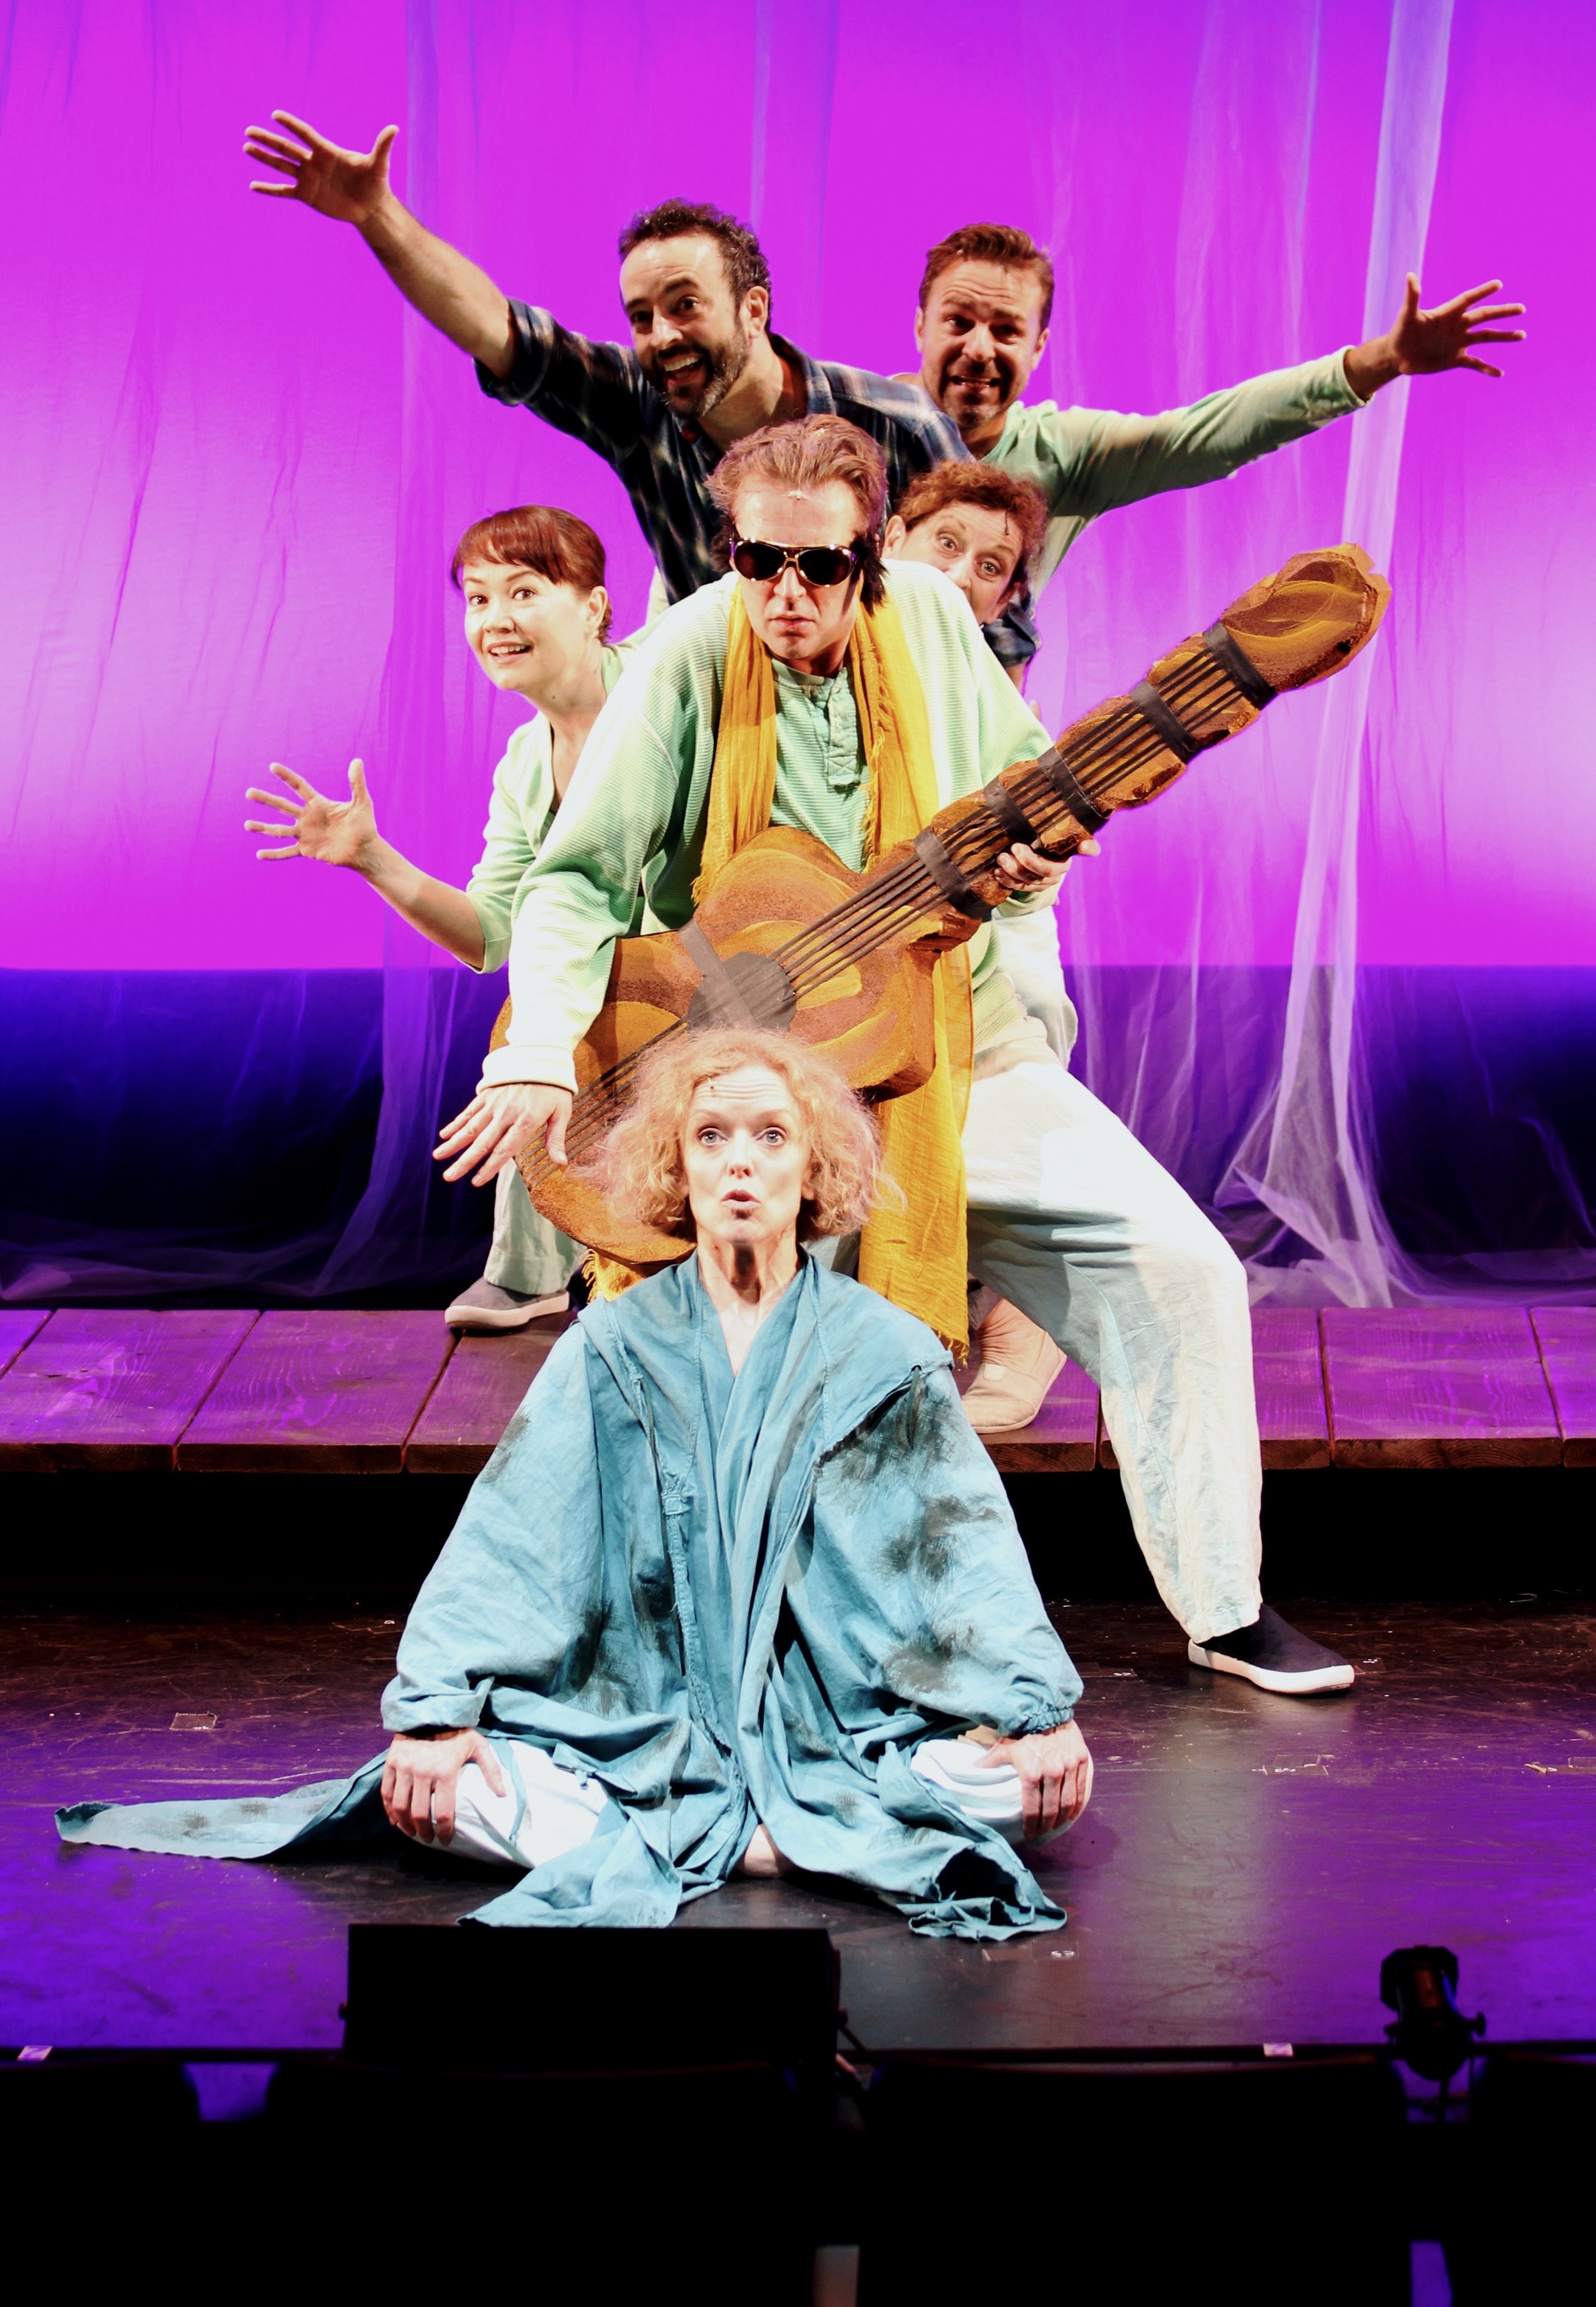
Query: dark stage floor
x,y
1246,1863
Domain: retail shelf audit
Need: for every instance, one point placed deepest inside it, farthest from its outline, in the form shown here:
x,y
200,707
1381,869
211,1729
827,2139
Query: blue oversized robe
x,y
729,1600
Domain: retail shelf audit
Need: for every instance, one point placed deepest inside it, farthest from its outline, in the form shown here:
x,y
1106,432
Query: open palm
x,y
332,832
1424,343
346,185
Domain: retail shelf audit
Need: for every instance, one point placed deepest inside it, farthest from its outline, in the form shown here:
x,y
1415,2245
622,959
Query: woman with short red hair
x,y
538,621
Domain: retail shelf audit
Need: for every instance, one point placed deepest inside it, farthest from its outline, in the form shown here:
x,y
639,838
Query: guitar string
x,y
969,845
909,889
1101,756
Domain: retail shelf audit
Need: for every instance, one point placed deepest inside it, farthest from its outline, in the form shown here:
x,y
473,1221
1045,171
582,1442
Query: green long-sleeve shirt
x,y
1085,461
635,810
519,815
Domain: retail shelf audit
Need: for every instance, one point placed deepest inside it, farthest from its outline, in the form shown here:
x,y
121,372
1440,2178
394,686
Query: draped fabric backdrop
x,y
1342,980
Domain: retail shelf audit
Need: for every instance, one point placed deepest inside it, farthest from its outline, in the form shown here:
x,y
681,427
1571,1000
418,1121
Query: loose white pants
x,y
529,1255
1073,1221
547,1810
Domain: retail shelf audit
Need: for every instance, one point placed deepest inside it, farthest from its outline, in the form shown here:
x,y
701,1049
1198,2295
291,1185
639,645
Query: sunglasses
x,y
817,564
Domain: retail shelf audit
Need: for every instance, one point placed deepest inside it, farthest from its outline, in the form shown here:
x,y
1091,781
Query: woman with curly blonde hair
x,y
740,1589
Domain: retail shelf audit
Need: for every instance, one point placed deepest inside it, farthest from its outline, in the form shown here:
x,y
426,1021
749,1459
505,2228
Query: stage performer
x,y
986,298
853,701
702,371
537,621
739,1588
980,526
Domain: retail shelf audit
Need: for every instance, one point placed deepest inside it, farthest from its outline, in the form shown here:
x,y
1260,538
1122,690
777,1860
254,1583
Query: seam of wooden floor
x,y
88,1390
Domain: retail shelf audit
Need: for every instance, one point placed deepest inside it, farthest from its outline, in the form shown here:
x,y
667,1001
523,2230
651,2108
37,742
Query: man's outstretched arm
x,y
456,295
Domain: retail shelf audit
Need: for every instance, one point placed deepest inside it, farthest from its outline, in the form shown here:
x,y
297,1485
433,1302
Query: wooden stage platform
x,y
90,1389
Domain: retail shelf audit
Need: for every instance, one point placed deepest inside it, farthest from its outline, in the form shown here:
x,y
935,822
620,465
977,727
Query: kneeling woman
x,y
740,1587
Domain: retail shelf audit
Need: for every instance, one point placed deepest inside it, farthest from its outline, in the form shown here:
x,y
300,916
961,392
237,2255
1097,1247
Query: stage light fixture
x,y
1428,2033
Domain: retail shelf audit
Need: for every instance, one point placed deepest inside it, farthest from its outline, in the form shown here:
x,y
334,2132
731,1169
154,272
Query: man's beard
x,y
723,365
1001,381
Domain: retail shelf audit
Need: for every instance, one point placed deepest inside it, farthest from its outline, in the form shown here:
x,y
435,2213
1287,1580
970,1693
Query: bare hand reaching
x,y
332,832
1425,344
350,186
503,1121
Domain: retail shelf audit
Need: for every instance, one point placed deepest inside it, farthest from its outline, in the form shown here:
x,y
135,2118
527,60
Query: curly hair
x,y
740,251
643,1166
988,487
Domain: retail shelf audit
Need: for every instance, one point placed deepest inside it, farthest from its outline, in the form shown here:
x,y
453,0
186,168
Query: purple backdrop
x,y
1337,979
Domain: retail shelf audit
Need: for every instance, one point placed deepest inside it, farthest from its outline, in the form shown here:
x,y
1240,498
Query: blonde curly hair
x,y
642,1164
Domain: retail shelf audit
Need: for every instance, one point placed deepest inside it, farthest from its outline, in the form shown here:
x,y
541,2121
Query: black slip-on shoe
x,y
1274,1655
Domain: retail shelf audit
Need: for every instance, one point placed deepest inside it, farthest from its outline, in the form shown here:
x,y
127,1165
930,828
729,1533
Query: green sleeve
x,y
1088,460
523,787
633,814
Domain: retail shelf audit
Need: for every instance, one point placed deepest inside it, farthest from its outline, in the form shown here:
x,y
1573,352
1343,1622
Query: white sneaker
x,y
485,1307
1018,1364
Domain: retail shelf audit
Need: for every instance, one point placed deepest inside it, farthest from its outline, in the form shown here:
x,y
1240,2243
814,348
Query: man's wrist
x,y
383,226
1370,366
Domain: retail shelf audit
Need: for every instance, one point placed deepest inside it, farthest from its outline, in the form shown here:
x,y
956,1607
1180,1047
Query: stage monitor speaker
x,y
1189,2181
1517,2212
590,2002
99,2105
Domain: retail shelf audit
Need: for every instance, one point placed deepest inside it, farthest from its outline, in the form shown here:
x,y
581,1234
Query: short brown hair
x,y
740,251
642,1165
806,454
557,545
992,244
980,484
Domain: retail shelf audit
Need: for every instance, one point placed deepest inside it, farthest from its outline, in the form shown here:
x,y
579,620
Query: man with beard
x,y
702,369
986,297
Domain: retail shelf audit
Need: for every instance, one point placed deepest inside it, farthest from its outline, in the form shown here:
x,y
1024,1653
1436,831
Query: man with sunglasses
x,y
702,371
816,687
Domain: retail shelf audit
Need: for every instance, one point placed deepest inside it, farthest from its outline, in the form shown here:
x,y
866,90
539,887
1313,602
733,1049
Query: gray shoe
x,y
485,1307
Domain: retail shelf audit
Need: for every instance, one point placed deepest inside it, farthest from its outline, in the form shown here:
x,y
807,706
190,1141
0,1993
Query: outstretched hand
x,y
1424,344
332,832
502,1121
350,186
1055,1769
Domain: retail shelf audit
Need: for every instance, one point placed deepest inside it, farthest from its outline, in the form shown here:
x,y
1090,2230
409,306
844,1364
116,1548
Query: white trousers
x,y
1074,1221
547,1809
529,1255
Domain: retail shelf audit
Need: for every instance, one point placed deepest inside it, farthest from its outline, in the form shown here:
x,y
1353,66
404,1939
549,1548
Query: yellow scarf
x,y
914,1254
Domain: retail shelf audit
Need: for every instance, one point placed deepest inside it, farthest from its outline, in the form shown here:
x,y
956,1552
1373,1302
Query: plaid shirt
x,y
598,393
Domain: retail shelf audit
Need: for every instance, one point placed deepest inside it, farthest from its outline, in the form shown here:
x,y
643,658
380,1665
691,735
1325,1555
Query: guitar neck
x,y
1053,803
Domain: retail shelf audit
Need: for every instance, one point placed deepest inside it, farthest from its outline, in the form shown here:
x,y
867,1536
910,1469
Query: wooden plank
x,y
18,1324
1567,1336
480,1393
1289,1379
1062,1436
110,1389
1414,1386
320,1394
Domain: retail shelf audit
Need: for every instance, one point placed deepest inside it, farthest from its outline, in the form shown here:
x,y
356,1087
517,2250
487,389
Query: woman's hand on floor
x,y
420,1777
1055,1774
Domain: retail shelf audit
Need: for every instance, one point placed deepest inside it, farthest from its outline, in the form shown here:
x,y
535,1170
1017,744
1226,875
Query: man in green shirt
x,y
986,297
1068,1218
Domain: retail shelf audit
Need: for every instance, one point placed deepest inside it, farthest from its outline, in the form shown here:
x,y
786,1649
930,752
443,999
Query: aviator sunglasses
x,y
817,564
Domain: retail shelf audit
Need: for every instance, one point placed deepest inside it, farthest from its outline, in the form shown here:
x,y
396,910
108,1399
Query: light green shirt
x,y
636,808
519,815
1085,461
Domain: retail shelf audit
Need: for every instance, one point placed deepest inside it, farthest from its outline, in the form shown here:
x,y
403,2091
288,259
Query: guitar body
x,y
789,940
873,1017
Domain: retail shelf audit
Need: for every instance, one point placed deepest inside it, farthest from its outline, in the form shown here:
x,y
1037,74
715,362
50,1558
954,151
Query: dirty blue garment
x,y
729,1601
